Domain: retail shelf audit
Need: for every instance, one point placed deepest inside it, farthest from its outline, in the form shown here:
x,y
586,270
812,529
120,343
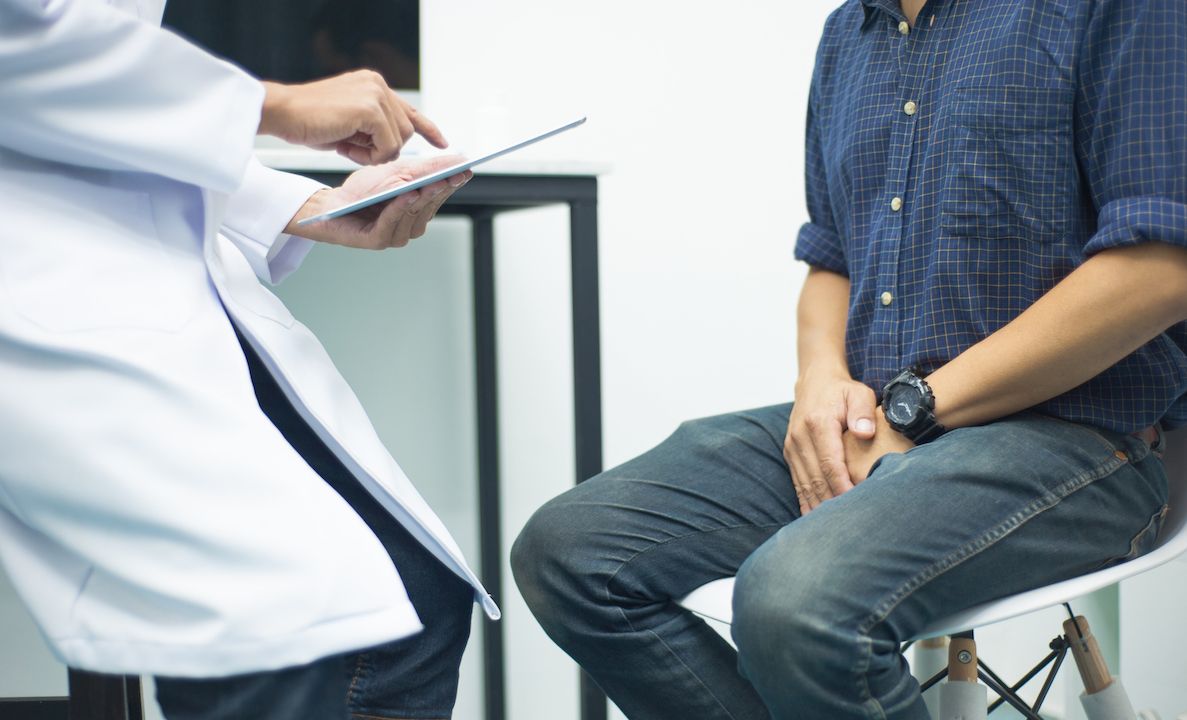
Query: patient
x,y
989,338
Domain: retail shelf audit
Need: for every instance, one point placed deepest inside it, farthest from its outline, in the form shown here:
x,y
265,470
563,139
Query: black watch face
x,y
904,405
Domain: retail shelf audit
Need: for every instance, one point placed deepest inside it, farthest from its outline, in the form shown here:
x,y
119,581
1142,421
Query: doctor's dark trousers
x,y
415,677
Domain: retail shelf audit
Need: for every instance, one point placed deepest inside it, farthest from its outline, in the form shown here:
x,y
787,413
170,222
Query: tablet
x,y
434,177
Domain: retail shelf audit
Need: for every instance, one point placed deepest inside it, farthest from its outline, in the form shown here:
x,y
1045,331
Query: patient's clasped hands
x,y
835,434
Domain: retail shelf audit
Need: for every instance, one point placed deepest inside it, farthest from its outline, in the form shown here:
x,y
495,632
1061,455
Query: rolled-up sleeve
x,y
818,243
1131,120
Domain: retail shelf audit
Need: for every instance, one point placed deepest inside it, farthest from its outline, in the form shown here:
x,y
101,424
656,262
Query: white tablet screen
x,y
439,175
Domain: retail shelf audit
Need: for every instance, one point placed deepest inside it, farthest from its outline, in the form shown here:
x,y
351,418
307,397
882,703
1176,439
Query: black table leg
x,y
587,353
481,200
487,392
587,380
104,697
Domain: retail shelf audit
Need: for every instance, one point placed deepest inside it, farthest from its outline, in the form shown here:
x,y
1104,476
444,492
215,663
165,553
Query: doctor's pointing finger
x,y
355,113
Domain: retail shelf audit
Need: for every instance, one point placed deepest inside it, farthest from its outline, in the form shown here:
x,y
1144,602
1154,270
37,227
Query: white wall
x,y
698,110
1152,661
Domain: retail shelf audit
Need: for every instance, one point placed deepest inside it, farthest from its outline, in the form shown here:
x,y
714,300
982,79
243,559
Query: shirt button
x,y
887,298
904,28
896,204
910,108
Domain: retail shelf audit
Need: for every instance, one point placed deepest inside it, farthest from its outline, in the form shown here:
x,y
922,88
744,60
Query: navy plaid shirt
x,y
959,169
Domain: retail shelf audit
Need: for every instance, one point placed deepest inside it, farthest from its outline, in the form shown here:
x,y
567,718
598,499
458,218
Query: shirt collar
x,y
891,7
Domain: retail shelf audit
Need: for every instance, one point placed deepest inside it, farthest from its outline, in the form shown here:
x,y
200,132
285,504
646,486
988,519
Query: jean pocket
x,y
1010,171
1143,542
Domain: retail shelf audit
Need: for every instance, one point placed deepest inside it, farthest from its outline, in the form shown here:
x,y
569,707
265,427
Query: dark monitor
x,y
300,40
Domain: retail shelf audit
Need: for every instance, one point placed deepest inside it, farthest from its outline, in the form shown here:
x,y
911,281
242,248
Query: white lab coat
x,y
151,517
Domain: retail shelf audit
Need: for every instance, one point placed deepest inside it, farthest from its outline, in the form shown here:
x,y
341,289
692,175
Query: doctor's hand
x,y
386,225
356,114
828,406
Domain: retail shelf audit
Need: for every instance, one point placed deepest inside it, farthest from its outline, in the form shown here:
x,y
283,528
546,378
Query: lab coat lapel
x,y
325,400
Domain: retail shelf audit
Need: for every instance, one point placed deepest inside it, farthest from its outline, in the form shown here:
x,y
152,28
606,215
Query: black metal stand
x,y
1009,693
104,697
489,503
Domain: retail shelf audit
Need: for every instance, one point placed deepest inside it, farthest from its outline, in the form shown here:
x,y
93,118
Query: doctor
x,y
188,487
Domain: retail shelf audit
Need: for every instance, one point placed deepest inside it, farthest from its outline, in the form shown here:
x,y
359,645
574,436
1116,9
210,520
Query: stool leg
x,y
1104,696
929,657
961,696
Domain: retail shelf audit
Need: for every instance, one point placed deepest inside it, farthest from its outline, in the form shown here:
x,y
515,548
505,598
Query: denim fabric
x,y
823,601
309,692
416,677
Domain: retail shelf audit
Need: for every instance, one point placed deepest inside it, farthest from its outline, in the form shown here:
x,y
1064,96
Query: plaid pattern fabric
x,y
958,170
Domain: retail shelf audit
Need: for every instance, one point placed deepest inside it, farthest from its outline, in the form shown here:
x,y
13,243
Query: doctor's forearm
x,y
1107,308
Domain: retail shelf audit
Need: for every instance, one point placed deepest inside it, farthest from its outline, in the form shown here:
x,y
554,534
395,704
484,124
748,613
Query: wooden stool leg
x,y
1086,653
94,696
1104,697
962,660
961,696
931,656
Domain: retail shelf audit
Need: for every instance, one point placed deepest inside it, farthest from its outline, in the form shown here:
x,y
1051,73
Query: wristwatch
x,y
909,405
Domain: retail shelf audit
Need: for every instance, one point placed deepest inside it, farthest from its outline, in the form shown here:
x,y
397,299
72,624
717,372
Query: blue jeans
x,y
416,677
823,601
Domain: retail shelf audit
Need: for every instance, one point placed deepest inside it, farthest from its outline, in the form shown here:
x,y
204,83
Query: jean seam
x,y
627,621
1036,507
356,677
690,671
865,649
1154,525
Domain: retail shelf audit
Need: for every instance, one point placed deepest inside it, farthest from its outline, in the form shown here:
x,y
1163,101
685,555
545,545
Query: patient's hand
x,y
861,454
828,403
386,225
356,114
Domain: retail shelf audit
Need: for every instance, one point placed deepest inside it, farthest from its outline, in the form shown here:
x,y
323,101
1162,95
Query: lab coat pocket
x,y
98,262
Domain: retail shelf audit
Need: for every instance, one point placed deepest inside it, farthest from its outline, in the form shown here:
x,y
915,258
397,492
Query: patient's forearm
x,y
820,322
1110,306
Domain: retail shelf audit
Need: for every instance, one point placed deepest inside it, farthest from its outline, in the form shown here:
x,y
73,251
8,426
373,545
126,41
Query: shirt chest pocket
x,y
1010,170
